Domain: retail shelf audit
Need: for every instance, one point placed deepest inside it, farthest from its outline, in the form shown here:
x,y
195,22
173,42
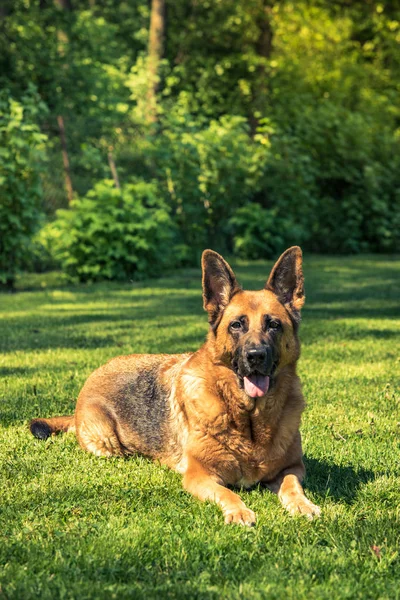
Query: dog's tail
x,y
44,428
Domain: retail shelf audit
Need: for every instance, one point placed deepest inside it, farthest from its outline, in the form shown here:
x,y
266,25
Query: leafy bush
x,y
207,173
42,256
114,234
289,184
356,170
260,233
336,174
20,208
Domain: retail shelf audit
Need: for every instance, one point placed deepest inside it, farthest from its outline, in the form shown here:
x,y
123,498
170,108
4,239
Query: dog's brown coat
x,y
190,412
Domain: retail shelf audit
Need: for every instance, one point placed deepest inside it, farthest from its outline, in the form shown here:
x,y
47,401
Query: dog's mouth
x,y
256,385
257,382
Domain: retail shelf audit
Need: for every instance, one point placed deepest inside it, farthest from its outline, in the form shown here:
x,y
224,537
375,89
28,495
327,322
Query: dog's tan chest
x,y
256,462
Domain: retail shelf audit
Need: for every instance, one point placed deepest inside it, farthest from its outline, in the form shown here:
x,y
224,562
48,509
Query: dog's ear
x,y
219,284
287,280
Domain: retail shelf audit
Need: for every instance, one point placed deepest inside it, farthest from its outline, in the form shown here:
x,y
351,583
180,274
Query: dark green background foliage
x,y
273,119
20,143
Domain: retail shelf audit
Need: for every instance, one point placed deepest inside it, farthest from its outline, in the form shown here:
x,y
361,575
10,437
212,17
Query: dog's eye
x,y
274,325
236,325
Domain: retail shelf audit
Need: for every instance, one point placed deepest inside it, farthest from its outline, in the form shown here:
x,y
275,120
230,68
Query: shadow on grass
x,y
20,371
377,333
347,288
351,310
341,483
50,329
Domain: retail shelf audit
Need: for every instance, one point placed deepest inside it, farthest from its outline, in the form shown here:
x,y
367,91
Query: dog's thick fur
x,y
226,415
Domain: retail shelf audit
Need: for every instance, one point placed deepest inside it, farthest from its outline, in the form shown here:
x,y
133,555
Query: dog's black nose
x,y
256,356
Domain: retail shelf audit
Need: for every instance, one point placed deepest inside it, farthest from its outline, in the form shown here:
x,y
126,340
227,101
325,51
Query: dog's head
x,y
254,333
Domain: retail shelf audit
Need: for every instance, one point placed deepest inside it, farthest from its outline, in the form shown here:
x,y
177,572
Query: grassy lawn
x,y
76,526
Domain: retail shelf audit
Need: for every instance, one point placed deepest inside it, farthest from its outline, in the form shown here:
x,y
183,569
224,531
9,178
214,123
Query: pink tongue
x,y
256,385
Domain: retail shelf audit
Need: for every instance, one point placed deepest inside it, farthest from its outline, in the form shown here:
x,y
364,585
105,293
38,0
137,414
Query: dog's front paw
x,y
241,516
303,506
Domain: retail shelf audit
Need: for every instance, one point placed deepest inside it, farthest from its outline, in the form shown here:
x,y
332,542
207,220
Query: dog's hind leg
x,y
96,430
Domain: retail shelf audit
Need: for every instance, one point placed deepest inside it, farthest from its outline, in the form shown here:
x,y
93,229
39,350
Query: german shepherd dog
x,y
226,415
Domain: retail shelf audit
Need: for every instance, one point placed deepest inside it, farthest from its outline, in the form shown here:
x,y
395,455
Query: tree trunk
x,y
113,168
155,52
63,40
67,170
4,9
64,4
264,49
264,42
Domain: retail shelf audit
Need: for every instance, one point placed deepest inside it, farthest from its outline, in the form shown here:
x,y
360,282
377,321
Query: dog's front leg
x,y
287,485
204,485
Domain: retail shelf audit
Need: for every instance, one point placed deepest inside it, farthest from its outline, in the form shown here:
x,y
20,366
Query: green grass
x,y
76,526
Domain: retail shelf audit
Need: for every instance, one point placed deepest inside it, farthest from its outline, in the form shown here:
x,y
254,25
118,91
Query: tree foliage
x,y
21,198
259,114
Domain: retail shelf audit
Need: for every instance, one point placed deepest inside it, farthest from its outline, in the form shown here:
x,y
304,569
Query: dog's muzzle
x,y
256,365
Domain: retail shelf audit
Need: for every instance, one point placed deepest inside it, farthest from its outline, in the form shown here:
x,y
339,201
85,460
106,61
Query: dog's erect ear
x,y
219,284
287,280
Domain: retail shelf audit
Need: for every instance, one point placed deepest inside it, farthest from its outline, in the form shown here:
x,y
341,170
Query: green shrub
x,y
207,172
357,178
114,234
336,174
289,185
42,257
260,233
20,204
